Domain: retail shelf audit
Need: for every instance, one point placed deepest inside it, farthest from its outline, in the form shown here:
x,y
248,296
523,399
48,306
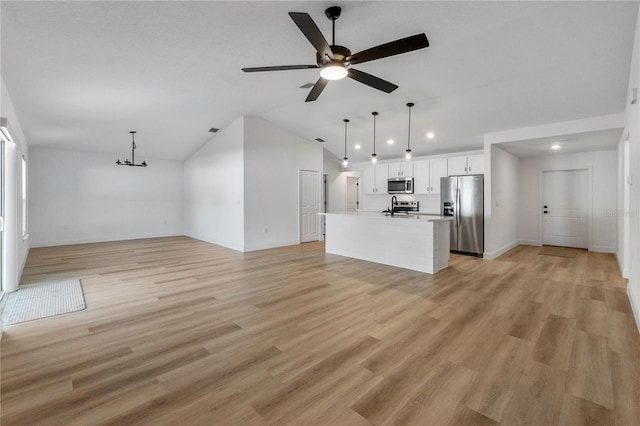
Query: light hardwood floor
x,y
180,332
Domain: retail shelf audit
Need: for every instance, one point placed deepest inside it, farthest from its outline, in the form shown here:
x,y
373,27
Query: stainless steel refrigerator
x,y
463,198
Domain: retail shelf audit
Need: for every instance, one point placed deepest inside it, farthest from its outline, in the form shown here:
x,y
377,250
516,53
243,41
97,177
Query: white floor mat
x,y
46,299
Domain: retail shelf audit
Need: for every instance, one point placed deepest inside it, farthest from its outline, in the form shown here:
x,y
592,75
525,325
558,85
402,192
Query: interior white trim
x,y
602,249
530,243
582,125
254,247
500,251
634,308
103,239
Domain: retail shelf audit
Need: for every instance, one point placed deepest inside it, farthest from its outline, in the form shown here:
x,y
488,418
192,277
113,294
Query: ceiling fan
x,y
335,61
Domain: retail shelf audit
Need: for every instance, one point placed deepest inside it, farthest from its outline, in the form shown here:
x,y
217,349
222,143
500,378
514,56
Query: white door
x,y
309,205
565,208
352,194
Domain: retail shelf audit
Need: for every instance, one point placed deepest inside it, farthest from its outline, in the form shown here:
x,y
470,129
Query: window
x,y
24,198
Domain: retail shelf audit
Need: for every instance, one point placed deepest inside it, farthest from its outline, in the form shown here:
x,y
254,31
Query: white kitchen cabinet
x,y
438,171
427,174
401,169
466,165
475,164
457,166
374,179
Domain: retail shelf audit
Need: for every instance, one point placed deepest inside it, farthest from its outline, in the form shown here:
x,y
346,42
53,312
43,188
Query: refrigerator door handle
x,y
458,218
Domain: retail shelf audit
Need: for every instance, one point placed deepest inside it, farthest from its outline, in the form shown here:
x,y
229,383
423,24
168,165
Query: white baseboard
x,y
99,239
635,308
603,249
530,242
224,244
254,247
500,251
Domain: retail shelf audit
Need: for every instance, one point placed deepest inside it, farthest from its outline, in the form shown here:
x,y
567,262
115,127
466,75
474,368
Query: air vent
x,y
320,139
213,130
307,85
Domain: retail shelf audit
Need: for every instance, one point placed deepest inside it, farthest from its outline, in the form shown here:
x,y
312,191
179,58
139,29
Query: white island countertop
x,y
419,242
396,216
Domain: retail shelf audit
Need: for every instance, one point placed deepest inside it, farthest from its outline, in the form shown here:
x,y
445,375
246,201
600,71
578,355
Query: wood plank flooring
x,y
178,331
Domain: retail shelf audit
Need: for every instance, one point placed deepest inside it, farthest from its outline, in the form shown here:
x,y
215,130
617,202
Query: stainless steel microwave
x,y
400,185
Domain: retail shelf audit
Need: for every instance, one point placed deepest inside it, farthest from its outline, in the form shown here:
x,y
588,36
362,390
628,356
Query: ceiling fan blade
x,y
313,34
317,89
280,68
392,48
372,80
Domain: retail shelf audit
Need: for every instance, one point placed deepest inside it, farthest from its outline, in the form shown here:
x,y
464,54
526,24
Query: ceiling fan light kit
x,y
335,61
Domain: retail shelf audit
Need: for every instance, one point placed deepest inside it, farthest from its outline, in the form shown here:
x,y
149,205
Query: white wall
x,y
632,122
273,158
214,189
16,247
503,235
79,197
604,166
337,183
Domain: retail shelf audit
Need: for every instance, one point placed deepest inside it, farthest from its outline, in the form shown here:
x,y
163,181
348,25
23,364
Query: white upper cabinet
x,y
475,164
401,169
427,174
438,170
466,165
374,179
457,166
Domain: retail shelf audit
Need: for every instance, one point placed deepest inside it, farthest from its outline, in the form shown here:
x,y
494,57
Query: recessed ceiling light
x,y
555,146
357,146
390,141
430,135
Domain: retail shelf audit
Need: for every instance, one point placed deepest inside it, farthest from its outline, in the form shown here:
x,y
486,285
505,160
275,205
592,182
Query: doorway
x,y
309,205
565,208
351,203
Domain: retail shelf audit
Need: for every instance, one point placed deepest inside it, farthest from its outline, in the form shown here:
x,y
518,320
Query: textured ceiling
x,y
82,74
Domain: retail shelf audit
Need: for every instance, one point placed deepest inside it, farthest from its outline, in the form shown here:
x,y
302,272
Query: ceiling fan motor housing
x,y
340,53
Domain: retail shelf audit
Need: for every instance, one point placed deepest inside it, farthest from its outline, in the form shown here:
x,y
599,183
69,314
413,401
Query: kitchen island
x,y
413,241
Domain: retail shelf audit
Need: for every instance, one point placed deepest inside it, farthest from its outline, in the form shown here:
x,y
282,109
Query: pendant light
x,y
345,160
126,161
373,156
408,150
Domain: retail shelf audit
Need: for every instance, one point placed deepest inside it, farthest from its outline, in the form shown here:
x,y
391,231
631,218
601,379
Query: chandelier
x,y
131,163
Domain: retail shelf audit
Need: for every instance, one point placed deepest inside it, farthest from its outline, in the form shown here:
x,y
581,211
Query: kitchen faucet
x,y
394,201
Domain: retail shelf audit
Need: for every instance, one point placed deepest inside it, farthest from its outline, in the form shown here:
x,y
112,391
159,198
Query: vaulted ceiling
x,y
82,74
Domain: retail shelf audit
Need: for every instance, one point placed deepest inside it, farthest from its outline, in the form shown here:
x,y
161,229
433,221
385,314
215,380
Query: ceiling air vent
x,y
307,85
320,139
213,130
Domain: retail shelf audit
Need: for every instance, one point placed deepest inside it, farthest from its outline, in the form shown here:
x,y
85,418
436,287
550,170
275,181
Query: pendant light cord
x,y
345,137
374,132
410,105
